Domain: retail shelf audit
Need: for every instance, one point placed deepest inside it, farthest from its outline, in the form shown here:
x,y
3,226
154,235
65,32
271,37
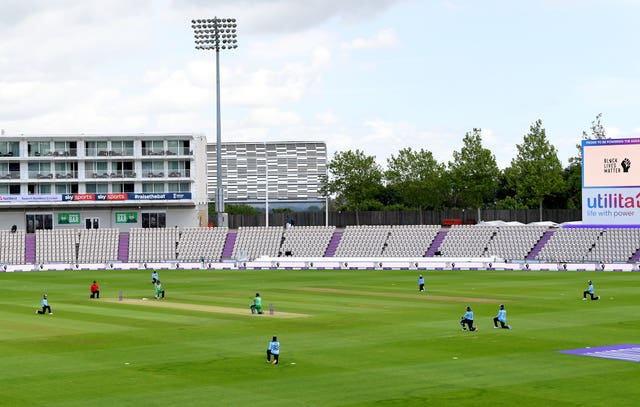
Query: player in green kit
x,y
159,290
256,307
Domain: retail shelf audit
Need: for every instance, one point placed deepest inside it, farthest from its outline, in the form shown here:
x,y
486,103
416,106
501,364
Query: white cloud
x,y
381,40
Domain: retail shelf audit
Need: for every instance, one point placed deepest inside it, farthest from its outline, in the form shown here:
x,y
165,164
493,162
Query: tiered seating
x,y
363,241
152,244
196,243
306,241
569,245
467,241
56,245
255,241
98,245
410,240
514,242
615,245
12,247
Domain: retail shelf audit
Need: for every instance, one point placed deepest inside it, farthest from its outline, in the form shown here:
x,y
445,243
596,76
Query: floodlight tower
x,y
215,34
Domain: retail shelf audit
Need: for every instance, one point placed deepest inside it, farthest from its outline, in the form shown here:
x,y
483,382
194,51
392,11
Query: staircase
x,y
435,245
30,248
229,243
543,241
123,247
333,243
635,258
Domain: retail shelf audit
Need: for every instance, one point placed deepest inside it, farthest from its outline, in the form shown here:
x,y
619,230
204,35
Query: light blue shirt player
x,y
467,321
502,318
273,350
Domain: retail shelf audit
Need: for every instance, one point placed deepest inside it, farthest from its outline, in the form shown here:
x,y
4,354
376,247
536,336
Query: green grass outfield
x,y
352,338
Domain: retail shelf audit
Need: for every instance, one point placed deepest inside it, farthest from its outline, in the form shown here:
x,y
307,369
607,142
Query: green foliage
x,y
281,210
241,209
354,178
536,172
417,177
474,173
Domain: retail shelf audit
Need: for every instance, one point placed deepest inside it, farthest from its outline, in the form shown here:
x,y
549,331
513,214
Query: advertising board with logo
x,y
611,181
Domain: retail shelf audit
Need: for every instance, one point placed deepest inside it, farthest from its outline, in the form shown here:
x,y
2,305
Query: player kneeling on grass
x,y
467,319
256,307
589,291
502,318
273,350
95,290
45,306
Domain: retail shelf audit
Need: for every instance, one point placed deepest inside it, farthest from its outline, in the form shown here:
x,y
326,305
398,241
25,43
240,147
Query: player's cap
x,y
45,296
501,305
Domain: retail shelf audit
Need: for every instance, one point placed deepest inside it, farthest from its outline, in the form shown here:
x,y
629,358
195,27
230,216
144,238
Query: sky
x,y
373,75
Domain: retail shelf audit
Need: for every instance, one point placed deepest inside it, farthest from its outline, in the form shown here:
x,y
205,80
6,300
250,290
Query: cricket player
x,y
467,319
589,291
273,350
256,307
502,318
45,306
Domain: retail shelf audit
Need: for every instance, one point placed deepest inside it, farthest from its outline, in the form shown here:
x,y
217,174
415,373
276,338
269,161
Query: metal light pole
x,y
214,34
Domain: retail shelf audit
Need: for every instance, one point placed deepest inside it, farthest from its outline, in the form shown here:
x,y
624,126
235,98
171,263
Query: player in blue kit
x,y
273,350
590,291
467,319
502,318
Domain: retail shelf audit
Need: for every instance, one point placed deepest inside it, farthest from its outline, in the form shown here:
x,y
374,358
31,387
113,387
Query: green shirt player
x,y
256,307
159,290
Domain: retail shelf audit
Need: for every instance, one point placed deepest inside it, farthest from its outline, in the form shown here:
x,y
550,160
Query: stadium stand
x,y
196,244
467,241
12,246
153,244
514,242
569,244
615,245
56,245
363,241
306,241
254,241
410,240
98,245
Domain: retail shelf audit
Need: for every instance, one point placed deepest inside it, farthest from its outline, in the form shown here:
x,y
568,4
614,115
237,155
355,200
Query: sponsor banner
x,y
611,163
611,206
126,217
168,196
68,218
30,198
160,196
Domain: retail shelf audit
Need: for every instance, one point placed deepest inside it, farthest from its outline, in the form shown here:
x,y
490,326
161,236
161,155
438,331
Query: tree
x,y
474,173
573,173
417,177
536,172
354,178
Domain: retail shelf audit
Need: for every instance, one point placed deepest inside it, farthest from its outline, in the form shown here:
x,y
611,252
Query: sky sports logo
x,y
613,200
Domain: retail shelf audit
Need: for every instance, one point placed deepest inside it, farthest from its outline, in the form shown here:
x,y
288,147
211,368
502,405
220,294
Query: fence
x,y
342,219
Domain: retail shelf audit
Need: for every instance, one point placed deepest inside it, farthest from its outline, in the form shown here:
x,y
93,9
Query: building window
x,y
10,189
96,149
66,188
124,187
124,147
153,169
178,147
97,188
39,189
154,220
9,149
178,169
179,187
65,148
97,169
39,148
40,170
153,187
39,221
152,147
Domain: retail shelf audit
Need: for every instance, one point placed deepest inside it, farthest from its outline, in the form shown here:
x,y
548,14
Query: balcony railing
x,y
117,174
10,175
100,152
